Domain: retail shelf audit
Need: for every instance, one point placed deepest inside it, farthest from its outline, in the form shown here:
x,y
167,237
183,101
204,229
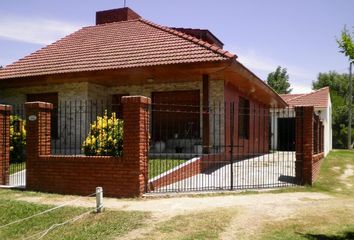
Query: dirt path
x,y
253,210
348,172
167,207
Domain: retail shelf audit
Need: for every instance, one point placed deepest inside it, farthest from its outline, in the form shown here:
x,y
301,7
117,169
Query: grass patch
x,y
203,225
336,223
107,225
17,167
332,168
158,166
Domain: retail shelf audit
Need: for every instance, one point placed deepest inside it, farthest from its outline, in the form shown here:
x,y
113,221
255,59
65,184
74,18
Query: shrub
x,y
17,139
105,137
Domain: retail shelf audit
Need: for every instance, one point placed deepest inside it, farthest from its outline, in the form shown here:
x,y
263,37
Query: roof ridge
x,y
190,38
109,23
316,91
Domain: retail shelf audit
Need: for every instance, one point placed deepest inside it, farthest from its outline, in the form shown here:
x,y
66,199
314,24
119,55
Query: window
x,y
50,98
243,118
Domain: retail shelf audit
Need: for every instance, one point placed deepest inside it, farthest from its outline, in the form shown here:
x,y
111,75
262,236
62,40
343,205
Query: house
x,y
283,131
124,54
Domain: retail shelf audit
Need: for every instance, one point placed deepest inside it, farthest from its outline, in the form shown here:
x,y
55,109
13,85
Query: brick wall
x,y
309,154
124,176
5,112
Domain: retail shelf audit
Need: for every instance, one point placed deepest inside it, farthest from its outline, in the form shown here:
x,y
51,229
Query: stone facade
x,y
77,99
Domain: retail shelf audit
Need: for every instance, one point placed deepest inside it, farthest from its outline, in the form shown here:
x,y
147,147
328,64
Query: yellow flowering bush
x,y
17,139
105,137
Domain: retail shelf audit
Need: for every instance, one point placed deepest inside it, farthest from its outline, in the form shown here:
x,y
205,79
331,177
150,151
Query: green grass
x,y
324,224
107,225
332,168
17,167
202,225
332,221
158,166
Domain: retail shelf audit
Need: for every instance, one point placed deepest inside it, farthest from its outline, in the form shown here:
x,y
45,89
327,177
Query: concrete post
x,y
99,199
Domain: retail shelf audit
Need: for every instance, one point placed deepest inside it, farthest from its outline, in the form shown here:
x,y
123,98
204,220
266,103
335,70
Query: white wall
x,y
325,116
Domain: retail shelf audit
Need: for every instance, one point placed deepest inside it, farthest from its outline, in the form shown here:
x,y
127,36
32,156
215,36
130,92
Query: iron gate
x,y
13,147
236,145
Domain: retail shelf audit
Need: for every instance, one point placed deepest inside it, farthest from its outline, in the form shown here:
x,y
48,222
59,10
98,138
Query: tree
x,y
346,46
279,81
338,84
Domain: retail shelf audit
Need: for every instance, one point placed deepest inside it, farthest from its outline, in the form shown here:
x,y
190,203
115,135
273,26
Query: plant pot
x,y
198,149
160,146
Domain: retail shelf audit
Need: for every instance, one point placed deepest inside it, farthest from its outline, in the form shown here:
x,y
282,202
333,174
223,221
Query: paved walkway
x,y
266,171
18,179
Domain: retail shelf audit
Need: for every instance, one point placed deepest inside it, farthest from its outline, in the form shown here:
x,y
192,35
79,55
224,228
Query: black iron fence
x,y
224,146
87,128
17,167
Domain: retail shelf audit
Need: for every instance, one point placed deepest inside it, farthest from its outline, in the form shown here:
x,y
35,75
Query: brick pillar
x,y
5,112
136,138
304,144
38,139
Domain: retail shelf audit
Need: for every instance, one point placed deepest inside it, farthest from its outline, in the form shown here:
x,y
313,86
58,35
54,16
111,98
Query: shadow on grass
x,y
343,236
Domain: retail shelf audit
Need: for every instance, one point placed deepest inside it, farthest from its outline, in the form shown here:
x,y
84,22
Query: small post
x,y
99,199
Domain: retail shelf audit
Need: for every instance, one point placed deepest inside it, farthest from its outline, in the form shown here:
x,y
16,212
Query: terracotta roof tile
x,y
128,44
318,98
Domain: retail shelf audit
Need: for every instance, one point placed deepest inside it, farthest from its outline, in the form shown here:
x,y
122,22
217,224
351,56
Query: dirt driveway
x,y
253,210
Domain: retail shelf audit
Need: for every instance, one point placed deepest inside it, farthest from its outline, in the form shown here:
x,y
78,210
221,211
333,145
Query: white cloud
x,y
300,79
34,30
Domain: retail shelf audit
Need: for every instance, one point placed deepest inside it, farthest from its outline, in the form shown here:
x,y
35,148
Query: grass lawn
x,y
107,225
205,225
17,167
328,219
158,166
325,223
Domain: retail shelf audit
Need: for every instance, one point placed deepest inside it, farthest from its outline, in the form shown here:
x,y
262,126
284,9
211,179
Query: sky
x,y
299,35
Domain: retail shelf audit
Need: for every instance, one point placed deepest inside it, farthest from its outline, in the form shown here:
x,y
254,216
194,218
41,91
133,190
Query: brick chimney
x,y
116,15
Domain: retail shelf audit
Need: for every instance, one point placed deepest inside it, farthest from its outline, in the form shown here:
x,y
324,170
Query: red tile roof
x,y
318,98
127,44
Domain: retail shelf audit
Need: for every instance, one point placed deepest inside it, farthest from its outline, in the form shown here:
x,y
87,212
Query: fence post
x,y
99,199
5,111
136,139
304,144
38,138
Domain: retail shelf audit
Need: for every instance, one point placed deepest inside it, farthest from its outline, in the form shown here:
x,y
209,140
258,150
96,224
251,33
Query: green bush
x,y
105,137
17,139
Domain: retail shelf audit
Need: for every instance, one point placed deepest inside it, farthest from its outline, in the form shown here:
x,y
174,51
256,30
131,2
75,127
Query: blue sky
x,y
299,34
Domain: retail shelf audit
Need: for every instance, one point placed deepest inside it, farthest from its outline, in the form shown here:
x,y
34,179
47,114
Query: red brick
x,y
124,176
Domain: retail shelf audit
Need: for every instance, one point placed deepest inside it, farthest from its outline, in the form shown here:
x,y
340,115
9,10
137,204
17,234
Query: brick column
x,y
5,112
38,139
304,144
136,138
